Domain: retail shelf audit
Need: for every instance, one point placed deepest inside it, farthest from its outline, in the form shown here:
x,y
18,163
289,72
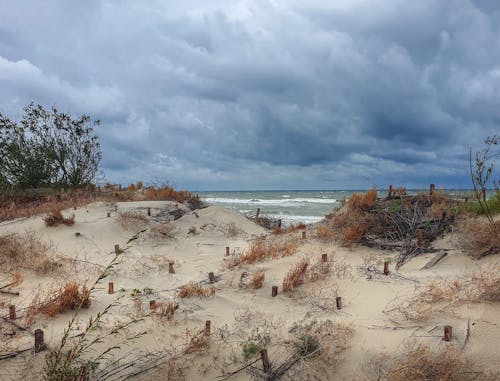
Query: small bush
x,y
165,309
362,201
418,362
55,218
478,237
132,220
162,231
232,230
194,289
295,277
325,233
352,234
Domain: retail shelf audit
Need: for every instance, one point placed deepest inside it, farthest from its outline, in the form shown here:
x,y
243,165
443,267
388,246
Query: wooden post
x,y
152,304
257,214
227,251
338,301
303,235
483,192
266,365
274,291
39,343
390,190
12,312
419,237
109,214
171,268
386,268
117,249
207,328
149,212
432,187
211,277
324,257
466,200
111,288
279,222
447,333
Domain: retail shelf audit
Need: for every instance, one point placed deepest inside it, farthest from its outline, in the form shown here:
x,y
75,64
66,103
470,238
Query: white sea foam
x,y
287,219
287,202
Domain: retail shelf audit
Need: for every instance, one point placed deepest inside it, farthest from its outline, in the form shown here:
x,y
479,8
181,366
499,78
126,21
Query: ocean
x,y
291,207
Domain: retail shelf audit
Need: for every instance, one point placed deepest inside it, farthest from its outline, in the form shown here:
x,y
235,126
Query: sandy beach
x,y
238,313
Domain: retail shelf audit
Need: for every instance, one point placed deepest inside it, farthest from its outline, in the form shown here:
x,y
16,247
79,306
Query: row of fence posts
x,y
432,190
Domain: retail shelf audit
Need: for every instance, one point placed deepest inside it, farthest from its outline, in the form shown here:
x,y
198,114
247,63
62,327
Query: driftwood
x,y
13,354
438,257
15,293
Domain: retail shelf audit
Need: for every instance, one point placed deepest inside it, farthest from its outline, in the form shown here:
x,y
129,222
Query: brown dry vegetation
x,y
68,297
194,289
478,237
25,252
305,272
132,220
55,218
295,276
263,248
418,362
290,229
165,309
257,280
162,231
475,287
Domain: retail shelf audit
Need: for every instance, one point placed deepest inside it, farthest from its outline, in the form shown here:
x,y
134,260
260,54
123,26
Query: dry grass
x,y
263,248
290,229
478,237
55,218
163,231
444,294
232,230
68,297
194,289
295,276
362,201
257,280
325,232
352,234
132,220
417,362
165,309
197,342
22,206
25,252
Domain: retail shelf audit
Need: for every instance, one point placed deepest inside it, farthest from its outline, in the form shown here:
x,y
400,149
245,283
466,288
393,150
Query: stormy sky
x,y
264,94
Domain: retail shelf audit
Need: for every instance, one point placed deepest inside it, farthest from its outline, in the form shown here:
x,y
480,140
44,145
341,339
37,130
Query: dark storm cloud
x,y
264,94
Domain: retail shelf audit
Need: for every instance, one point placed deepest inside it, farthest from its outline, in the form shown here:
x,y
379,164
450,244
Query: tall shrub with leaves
x,y
48,148
481,169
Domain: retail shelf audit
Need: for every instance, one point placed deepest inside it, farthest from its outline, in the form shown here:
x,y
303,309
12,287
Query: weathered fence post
x,y
12,312
274,291
109,214
390,190
152,304
171,268
111,288
432,188
149,212
266,365
207,328
211,277
39,343
227,251
303,235
386,268
447,333
419,237
117,249
338,302
324,257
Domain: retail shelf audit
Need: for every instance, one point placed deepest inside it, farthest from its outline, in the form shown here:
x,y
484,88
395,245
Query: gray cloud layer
x,y
264,94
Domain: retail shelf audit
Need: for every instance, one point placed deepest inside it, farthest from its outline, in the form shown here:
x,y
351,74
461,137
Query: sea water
x,y
291,207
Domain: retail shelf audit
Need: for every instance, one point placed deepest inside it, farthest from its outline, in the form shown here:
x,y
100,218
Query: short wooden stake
x,y
279,222
109,214
390,190
152,304
207,328
466,200
432,187
419,237
324,257
257,214
447,333
117,249
149,212
266,365
39,343
338,301
227,251
111,288
211,277
12,312
303,235
386,268
483,192
274,291
171,268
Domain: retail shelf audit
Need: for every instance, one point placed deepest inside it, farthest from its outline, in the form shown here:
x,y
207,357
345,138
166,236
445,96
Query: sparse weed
x,y
132,220
55,218
194,289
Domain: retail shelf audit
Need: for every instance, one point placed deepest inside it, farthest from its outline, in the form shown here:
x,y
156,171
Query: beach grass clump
x,y
307,272
289,229
195,289
165,309
257,280
132,220
295,276
71,296
55,218
362,201
477,237
26,252
418,362
265,247
162,231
